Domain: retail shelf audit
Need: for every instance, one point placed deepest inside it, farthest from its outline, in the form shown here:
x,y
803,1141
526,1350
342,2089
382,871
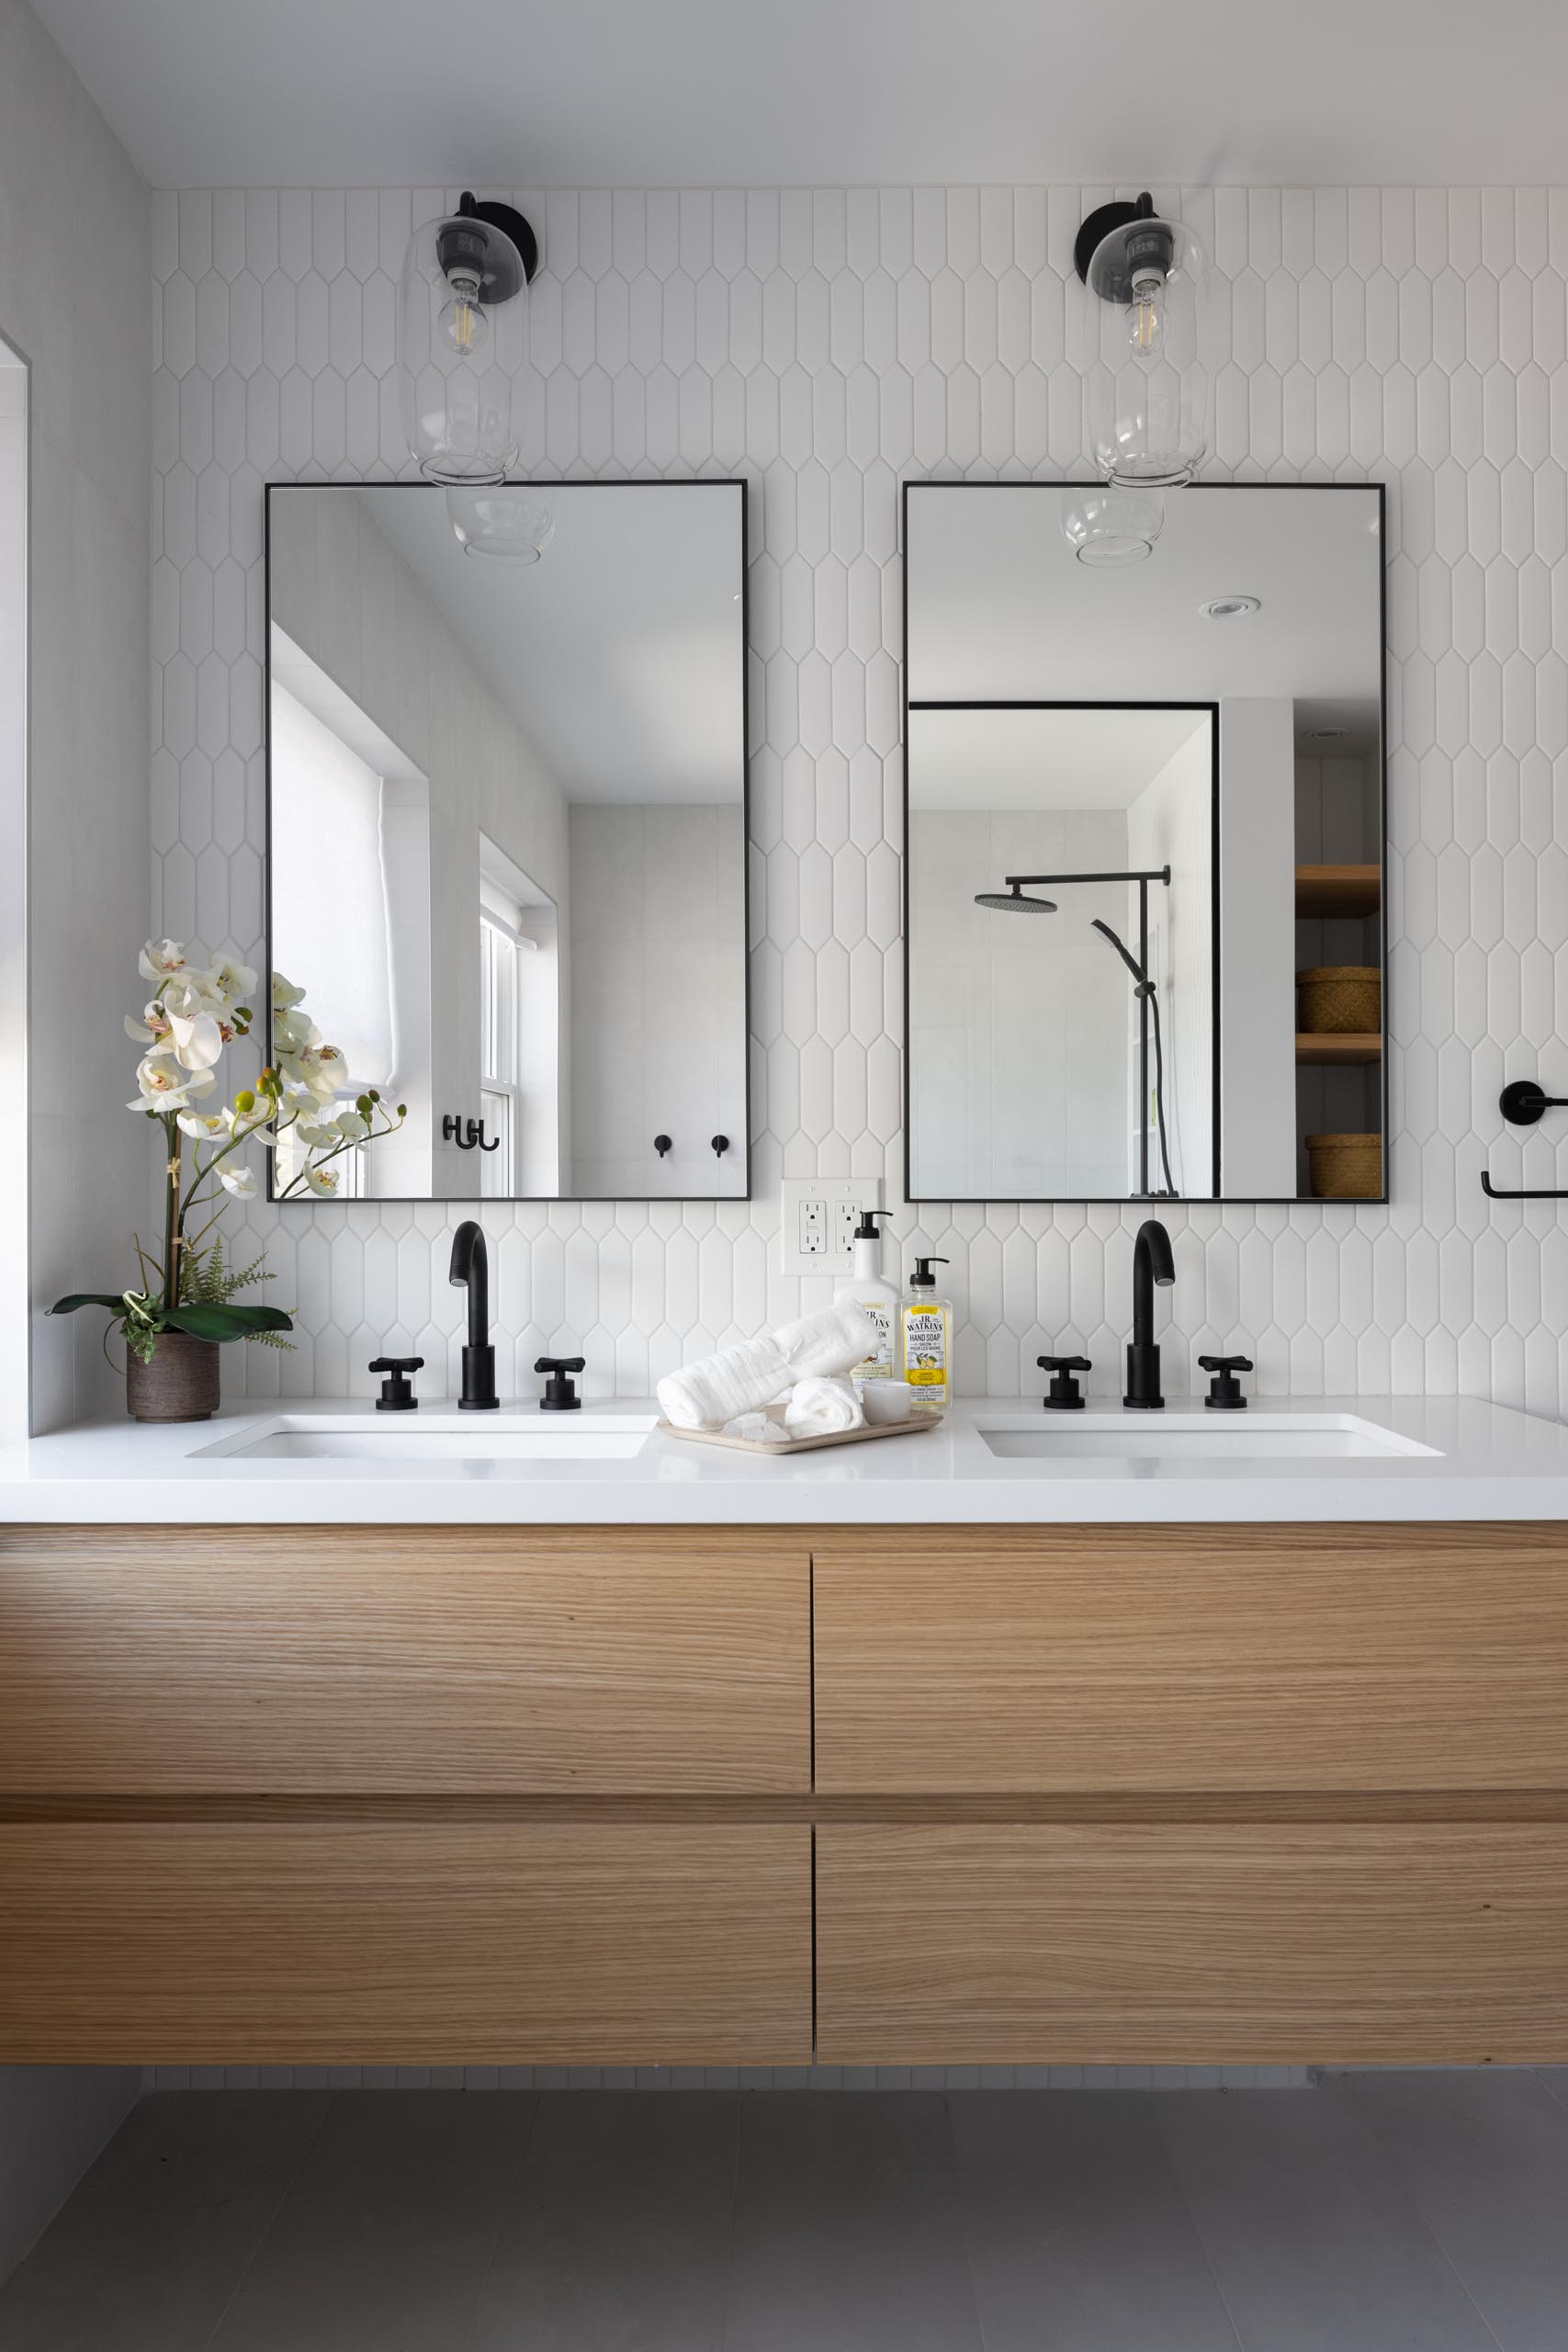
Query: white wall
x,y
73,254
1257,946
825,342
657,970
1019,1075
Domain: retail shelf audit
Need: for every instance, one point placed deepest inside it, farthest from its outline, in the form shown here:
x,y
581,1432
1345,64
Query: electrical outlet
x,y
820,1213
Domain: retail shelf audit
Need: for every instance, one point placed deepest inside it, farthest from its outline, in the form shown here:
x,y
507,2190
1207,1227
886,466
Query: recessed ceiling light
x,y
1326,734
1228,608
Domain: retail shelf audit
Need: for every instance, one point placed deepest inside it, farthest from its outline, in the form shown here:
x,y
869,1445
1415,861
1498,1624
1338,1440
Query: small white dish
x,y
886,1401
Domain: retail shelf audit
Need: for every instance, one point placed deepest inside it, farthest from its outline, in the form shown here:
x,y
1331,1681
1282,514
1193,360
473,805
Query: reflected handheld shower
x,y
1144,989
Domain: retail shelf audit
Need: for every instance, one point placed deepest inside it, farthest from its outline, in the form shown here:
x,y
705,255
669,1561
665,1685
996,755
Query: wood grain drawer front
x,y
1333,1945
254,1943
181,1660
1156,1659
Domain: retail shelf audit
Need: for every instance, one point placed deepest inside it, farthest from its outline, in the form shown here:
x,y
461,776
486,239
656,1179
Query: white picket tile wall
x,y
827,343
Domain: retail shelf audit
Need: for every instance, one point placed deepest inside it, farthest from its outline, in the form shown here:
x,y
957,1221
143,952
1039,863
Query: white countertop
x,y
1485,1463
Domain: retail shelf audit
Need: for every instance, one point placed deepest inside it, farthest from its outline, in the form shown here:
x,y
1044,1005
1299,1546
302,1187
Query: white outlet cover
x,y
841,1198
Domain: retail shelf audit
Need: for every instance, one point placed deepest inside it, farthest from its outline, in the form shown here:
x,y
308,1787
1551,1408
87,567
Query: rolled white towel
x,y
766,1427
822,1407
820,1347
717,1389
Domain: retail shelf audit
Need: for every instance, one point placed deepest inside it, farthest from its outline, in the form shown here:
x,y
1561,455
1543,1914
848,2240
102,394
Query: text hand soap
x,y
879,1299
926,1338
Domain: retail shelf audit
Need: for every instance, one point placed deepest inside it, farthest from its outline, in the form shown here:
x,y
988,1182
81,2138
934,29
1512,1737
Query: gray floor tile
x,y
1079,2238
848,2231
383,2242
1315,2240
618,2235
146,2253
1485,2157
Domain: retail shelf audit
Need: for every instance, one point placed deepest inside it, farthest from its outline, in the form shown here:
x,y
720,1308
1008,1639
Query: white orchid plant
x,y
193,1013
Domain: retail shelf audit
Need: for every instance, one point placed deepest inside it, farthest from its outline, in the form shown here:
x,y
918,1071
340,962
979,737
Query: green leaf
x,y
204,1321
113,1300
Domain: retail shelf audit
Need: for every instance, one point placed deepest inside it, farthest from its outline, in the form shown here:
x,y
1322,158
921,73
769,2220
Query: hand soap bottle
x,y
879,1299
926,1339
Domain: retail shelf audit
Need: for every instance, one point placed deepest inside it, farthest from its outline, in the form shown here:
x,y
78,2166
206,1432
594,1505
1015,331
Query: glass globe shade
x,y
460,305
1149,389
512,521
1111,526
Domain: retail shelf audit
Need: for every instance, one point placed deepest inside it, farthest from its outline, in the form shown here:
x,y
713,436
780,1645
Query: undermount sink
x,y
403,1441
1175,1438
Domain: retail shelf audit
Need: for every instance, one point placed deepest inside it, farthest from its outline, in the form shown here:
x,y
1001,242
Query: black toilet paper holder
x,y
1523,1103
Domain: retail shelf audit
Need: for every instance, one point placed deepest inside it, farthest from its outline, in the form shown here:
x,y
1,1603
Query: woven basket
x,y
1345,1168
1336,998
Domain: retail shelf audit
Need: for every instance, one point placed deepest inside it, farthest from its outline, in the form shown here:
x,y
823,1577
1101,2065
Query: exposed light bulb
x,y
1145,314
462,324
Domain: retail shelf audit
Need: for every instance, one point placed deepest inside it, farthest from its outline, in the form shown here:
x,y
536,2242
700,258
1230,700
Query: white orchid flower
x,y
203,1127
251,1121
318,1072
233,979
323,1181
161,1080
292,1032
284,994
240,1181
160,959
152,1025
317,1135
351,1126
198,1040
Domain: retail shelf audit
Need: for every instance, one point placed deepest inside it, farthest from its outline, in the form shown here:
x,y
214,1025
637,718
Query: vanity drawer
x,y
1255,1944
1170,1658
189,1660
337,1944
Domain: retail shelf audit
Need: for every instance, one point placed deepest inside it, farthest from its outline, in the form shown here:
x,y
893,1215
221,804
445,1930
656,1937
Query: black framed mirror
x,y
1146,931
508,827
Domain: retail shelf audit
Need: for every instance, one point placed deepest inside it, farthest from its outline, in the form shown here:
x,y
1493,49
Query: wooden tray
x,y
804,1444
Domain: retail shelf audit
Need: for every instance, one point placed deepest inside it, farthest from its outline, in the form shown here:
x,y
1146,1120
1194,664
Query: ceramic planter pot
x,y
180,1384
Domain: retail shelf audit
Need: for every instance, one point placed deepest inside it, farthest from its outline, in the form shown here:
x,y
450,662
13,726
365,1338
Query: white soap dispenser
x,y
868,1290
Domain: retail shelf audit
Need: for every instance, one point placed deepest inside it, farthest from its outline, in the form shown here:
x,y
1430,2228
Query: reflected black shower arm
x,y
1023,881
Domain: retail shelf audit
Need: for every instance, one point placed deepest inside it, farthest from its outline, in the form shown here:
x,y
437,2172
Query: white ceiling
x,y
747,93
619,653
1030,760
999,610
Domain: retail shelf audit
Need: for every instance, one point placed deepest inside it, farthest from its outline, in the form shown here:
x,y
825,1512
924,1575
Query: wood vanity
x,y
736,1795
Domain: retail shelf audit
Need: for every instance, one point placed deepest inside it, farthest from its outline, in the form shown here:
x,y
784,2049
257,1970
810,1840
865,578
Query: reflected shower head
x,y
1013,901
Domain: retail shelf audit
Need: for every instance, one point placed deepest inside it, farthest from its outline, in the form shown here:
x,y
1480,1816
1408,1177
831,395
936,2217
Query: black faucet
x,y
470,1270
1151,1264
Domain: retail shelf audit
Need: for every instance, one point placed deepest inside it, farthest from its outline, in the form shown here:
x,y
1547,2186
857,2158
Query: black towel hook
x,y
453,1131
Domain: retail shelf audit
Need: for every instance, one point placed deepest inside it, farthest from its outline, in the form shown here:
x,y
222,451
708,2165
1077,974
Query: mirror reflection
x,y
507,821
1144,849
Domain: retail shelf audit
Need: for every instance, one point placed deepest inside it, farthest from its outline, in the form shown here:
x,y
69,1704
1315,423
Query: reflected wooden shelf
x,y
1337,893
1342,1049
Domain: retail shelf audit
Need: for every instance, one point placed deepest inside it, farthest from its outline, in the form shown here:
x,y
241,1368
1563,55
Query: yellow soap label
x,y
925,1347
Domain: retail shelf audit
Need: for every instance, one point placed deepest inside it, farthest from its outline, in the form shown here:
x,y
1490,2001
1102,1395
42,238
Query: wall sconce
x,y
459,339
1147,389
